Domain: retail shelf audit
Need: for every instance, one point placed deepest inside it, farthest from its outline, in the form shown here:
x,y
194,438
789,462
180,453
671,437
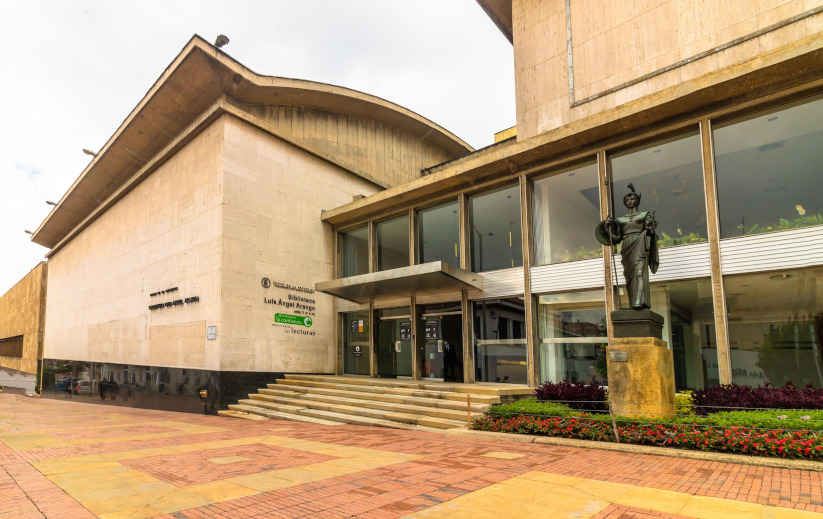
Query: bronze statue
x,y
637,232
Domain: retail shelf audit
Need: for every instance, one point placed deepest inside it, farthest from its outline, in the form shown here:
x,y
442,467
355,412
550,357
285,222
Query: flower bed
x,y
803,444
786,434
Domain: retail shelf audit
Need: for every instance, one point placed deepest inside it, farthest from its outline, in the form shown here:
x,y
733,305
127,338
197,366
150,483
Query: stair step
x,y
420,393
380,399
230,413
404,414
277,415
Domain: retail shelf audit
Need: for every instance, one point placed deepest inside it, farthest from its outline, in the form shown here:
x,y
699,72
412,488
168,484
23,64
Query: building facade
x,y
196,272
713,112
22,316
238,226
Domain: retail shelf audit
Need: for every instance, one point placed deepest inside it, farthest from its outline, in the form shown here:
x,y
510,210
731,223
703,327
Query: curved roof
x,y
197,78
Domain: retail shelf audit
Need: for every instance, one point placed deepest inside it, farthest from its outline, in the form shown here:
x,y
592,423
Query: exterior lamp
x,y
28,231
50,202
89,152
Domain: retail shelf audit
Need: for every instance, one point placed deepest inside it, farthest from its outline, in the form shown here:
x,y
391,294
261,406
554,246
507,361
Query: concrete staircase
x,y
401,404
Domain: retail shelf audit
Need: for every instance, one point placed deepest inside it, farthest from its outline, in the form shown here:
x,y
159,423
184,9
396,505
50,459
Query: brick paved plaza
x,y
75,459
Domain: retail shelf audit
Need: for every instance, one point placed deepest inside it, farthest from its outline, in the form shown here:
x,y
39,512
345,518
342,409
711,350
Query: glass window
x,y
500,341
768,167
776,327
496,240
573,336
669,176
688,329
566,209
393,243
356,343
439,234
354,248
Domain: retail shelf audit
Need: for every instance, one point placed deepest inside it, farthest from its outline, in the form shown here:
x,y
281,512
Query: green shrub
x,y
684,404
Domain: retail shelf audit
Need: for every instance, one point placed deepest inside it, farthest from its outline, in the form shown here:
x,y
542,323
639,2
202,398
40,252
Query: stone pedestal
x,y
641,377
637,323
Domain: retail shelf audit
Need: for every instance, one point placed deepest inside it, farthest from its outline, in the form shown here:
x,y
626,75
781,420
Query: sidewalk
x,y
67,459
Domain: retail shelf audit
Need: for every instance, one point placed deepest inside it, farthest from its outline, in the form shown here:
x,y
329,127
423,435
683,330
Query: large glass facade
x,y
393,243
500,341
496,239
776,327
566,207
439,234
356,350
573,336
354,252
768,168
669,176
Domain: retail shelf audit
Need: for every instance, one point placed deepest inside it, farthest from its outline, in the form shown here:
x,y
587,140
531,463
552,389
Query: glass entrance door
x,y
394,342
442,345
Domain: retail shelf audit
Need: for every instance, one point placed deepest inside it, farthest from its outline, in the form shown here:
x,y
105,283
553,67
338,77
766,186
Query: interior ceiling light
x,y
780,277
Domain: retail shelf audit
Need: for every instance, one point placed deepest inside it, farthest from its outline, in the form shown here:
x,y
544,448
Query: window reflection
x,y
500,341
354,248
572,334
496,240
669,176
687,308
393,243
776,327
439,234
768,168
566,209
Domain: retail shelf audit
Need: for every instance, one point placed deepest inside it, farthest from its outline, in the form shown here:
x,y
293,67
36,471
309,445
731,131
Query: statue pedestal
x,y
637,323
641,377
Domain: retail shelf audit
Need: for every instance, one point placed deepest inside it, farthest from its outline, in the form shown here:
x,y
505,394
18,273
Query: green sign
x,y
297,320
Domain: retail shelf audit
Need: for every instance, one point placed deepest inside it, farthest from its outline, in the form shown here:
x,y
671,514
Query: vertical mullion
x,y
605,187
713,228
532,358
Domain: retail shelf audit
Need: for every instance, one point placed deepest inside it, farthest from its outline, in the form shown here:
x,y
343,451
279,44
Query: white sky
x,y
74,69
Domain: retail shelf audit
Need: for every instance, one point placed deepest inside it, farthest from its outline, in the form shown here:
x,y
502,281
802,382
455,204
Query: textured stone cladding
x,y
617,43
187,249
21,313
163,234
642,385
274,194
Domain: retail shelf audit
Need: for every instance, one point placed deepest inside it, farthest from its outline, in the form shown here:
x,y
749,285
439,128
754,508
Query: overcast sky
x,y
73,70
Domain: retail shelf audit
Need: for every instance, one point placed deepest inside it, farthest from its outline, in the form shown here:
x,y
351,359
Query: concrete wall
x,y
22,313
274,193
617,43
165,233
388,154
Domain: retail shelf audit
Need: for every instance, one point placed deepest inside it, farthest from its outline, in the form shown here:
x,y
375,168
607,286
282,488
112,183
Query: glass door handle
x,y
397,346
439,346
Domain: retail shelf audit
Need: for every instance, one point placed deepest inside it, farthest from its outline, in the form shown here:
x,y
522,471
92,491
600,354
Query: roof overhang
x,y
432,278
200,76
797,74
500,12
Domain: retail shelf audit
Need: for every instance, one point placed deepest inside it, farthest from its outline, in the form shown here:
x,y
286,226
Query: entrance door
x,y
394,343
442,345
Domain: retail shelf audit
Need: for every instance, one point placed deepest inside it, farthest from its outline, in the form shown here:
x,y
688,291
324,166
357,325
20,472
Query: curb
x,y
758,461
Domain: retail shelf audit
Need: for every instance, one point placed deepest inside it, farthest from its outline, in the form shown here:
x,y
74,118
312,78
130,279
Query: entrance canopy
x,y
432,278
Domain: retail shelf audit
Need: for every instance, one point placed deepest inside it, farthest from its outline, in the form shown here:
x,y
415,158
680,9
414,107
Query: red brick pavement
x,y
449,467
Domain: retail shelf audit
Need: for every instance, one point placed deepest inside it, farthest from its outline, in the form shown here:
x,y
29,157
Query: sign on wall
x,y
296,306
405,332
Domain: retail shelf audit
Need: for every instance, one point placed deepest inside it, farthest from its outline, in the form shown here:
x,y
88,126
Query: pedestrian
x,y
68,388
